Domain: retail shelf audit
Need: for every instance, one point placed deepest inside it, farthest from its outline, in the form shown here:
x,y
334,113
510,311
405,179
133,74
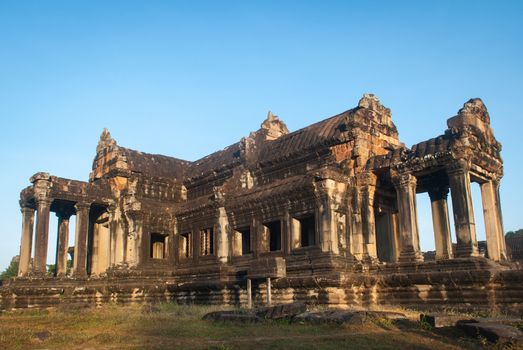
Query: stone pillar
x,y
135,251
396,238
328,235
26,244
118,247
467,244
42,235
495,237
441,223
356,239
405,185
80,247
369,222
328,227
62,244
269,292
294,233
222,242
501,230
249,293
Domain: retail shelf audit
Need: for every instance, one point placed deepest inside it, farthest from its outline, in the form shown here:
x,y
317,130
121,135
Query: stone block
x,y
281,311
494,332
232,316
340,317
441,320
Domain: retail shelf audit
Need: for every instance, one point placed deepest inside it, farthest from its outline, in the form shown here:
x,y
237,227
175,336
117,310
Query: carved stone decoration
x,y
325,213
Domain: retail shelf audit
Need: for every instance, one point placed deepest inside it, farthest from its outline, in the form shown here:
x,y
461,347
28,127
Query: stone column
x,y
135,253
441,223
495,237
501,230
467,244
26,244
356,239
249,293
42,235
62,244
118,247
269,292
405,185
396,239
369,223
222,242
80,247
326,203
262,236
294,233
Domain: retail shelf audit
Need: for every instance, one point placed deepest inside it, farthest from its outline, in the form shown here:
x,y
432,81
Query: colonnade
x,y
41,238
459,183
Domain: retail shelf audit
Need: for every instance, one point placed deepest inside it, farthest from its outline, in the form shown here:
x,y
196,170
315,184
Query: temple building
x,y
325,213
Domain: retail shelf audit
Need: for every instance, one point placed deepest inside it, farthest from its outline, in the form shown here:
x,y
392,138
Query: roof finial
x,y
106,140
273,127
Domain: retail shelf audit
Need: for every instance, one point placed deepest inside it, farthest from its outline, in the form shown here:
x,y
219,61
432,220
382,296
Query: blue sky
x,y
186,78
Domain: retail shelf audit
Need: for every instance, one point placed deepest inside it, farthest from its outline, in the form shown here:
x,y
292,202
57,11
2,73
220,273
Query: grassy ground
x,y
181,327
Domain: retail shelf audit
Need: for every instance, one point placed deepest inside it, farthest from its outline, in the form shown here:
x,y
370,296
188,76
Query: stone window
x,y
307,226
242,241
207,241
158,246
274,234
186,245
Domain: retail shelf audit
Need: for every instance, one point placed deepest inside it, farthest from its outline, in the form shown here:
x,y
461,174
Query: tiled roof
x,y
155,164
324,133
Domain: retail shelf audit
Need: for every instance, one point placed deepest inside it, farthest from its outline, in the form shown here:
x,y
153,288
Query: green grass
x,y
181,327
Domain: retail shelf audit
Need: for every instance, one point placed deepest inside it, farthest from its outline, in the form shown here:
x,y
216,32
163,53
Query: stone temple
x,y
325,214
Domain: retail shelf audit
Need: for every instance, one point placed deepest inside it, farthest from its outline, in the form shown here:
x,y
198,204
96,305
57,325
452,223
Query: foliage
x,y
518,233
11,270
51,269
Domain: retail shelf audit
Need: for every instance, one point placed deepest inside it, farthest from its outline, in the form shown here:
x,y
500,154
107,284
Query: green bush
x,y
514,233
10,271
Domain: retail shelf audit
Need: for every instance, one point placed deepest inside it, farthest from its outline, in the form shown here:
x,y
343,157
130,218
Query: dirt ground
x,y
171,326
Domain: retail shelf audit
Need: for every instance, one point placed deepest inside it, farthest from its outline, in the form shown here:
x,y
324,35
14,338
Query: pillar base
x,y
411,256
467,251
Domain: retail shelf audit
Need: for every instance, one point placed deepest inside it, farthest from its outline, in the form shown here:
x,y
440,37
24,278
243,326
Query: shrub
x,y
11,270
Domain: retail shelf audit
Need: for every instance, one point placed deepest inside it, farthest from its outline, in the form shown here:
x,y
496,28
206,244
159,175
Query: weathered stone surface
x,y
389,315
442,320
325,214
281,311
232,316
493,332
340,317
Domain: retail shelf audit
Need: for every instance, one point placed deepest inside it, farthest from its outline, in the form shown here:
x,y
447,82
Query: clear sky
x,y
186,78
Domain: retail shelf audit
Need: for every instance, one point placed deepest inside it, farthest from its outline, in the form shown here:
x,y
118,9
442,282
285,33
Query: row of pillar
x,y
41,234
467,245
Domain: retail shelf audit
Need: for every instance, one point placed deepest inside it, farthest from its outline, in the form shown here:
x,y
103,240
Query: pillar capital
x,y
43,201
403,180
459,166
27,210
64,214
81,206
438,193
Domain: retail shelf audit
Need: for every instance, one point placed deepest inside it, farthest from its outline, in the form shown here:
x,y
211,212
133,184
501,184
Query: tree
x,y
11,270
517,233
